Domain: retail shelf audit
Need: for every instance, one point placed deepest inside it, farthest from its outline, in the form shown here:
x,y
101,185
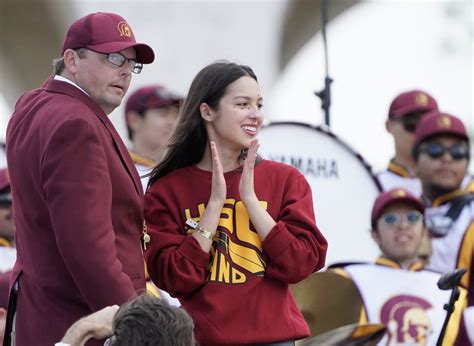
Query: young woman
x,y
228,230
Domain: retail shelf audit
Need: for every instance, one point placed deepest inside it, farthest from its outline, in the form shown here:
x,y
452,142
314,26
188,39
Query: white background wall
x,y
377,50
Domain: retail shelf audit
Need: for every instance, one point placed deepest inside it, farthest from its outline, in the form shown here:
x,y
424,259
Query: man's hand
x,y
97,325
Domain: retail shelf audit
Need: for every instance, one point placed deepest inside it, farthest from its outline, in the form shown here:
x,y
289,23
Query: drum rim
x,y
326,130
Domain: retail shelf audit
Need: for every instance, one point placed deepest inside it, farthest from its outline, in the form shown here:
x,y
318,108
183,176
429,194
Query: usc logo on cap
x,y
444,122
124,29
399,193
421,99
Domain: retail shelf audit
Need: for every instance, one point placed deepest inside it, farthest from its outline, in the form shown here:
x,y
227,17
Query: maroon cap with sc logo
x,y
437,123
105,33
412,101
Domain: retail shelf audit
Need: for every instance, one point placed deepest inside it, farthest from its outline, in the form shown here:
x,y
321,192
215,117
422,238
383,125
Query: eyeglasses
x,y
437,150
118,59
411,217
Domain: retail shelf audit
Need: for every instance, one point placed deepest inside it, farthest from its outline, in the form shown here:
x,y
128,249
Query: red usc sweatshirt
x,y
238,293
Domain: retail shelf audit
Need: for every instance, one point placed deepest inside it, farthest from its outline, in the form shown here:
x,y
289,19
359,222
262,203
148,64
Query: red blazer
x,y
78,212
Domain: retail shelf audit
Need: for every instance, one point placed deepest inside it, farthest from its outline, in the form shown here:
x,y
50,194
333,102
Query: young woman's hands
x,y
210,219
219,188
246,186
260,218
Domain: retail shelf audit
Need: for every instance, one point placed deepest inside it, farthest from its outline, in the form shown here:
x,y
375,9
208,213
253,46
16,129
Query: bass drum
x,y
343,185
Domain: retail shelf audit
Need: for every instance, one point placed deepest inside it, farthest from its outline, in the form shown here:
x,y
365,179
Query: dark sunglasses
x,y
5,200
409,121
411,217
437,150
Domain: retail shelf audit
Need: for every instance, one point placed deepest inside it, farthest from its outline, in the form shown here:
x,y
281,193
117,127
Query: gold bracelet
x,y
199,230
204,233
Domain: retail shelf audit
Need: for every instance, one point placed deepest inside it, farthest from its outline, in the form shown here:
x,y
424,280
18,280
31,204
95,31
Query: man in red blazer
x,y
77,196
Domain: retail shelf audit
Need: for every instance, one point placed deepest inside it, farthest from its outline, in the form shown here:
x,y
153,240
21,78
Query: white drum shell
x,y
343,186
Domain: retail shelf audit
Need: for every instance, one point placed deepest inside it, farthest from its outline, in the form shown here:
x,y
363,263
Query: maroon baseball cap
x,y
152,96
412,101
389,197
105,33
436,123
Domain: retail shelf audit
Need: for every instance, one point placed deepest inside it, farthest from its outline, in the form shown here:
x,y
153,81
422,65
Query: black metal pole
x,y
449,308
325,94
446,282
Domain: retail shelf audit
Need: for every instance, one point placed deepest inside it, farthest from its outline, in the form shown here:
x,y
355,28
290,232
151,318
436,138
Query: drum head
x,y
342,183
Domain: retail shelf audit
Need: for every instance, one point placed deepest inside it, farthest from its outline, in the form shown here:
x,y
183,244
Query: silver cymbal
x,y
356,334
327,301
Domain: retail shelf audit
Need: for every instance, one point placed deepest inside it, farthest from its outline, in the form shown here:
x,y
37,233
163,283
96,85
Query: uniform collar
x,y
69,88
142,160
400,169
470,186
63,79
387,262
446,197
5,242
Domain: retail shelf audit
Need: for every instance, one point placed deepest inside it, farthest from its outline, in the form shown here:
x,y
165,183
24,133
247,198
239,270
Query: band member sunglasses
x,y
411,217
409,121
437,150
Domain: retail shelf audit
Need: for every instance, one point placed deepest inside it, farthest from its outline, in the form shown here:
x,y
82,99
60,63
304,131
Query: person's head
x,y
441,152
397,225
404,113
151,113
7,226
147,320
223,104
99,54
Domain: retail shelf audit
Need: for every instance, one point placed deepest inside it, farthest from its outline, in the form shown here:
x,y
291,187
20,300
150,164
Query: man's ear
x,y
415,169
206,112
70,58
375,236
388,125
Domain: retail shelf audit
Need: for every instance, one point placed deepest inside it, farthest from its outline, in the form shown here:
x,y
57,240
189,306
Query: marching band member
x,y
442,155
395,290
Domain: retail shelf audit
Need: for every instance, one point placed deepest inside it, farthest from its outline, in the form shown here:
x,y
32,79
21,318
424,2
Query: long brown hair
x,y
189,141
